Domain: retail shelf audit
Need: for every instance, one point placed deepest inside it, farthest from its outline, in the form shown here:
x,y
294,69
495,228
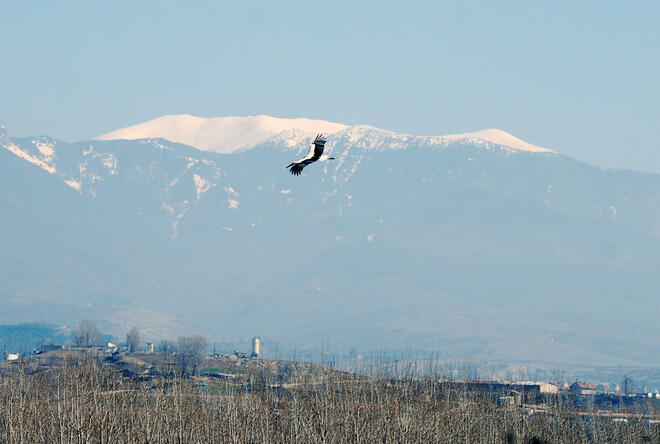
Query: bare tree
x,y
627,385
166,346
190,351
70,403
133,340
87,334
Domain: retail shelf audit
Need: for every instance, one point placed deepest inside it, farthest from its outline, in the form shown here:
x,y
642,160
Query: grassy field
x,y
86,398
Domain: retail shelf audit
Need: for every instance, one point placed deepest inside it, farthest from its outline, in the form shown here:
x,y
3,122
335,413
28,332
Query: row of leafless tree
x,y
82,402
189,350
88,334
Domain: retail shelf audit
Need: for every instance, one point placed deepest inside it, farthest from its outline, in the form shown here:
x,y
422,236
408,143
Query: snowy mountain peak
x,y
497,137
222,134
231,134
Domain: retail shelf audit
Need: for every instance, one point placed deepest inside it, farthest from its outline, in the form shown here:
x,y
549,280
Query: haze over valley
x,y
476,245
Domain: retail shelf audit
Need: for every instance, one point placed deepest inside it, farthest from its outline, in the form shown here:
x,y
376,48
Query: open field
x,y
81,398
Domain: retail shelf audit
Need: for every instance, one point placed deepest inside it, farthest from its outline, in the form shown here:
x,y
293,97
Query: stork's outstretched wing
x,y
296,168
319,144
314,154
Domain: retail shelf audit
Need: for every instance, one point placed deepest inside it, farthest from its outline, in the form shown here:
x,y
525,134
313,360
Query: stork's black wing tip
x,y
296,169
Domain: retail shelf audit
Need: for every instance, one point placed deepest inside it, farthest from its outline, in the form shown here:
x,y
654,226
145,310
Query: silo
x,y
256,347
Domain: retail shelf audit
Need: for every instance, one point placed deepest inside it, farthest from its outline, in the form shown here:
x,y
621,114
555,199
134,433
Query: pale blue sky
x,y
578,77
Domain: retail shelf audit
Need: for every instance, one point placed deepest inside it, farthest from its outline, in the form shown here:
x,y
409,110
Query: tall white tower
x,y
256,347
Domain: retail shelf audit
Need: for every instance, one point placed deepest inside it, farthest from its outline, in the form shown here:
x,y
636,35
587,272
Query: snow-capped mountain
x,y
462,244
231,134
223,134
84,169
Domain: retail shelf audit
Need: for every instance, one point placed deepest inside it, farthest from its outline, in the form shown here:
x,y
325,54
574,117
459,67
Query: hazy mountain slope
x,y
462,246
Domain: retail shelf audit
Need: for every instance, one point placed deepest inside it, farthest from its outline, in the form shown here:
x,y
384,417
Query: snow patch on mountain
x,y
182,209
167,207
28,157
45,147
73,184
110,162
371,138
201,185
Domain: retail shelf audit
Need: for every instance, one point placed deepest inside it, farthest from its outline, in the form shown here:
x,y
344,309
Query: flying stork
x,y
315,153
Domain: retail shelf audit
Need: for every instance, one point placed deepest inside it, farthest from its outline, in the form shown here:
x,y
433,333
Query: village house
x,y
546,387
506,387
583,388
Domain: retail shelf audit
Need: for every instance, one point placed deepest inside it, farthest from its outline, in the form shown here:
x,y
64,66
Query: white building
x,y
583,388
256,347
546,387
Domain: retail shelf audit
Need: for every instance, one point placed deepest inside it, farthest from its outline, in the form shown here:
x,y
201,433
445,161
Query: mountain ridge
x,y
231,134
